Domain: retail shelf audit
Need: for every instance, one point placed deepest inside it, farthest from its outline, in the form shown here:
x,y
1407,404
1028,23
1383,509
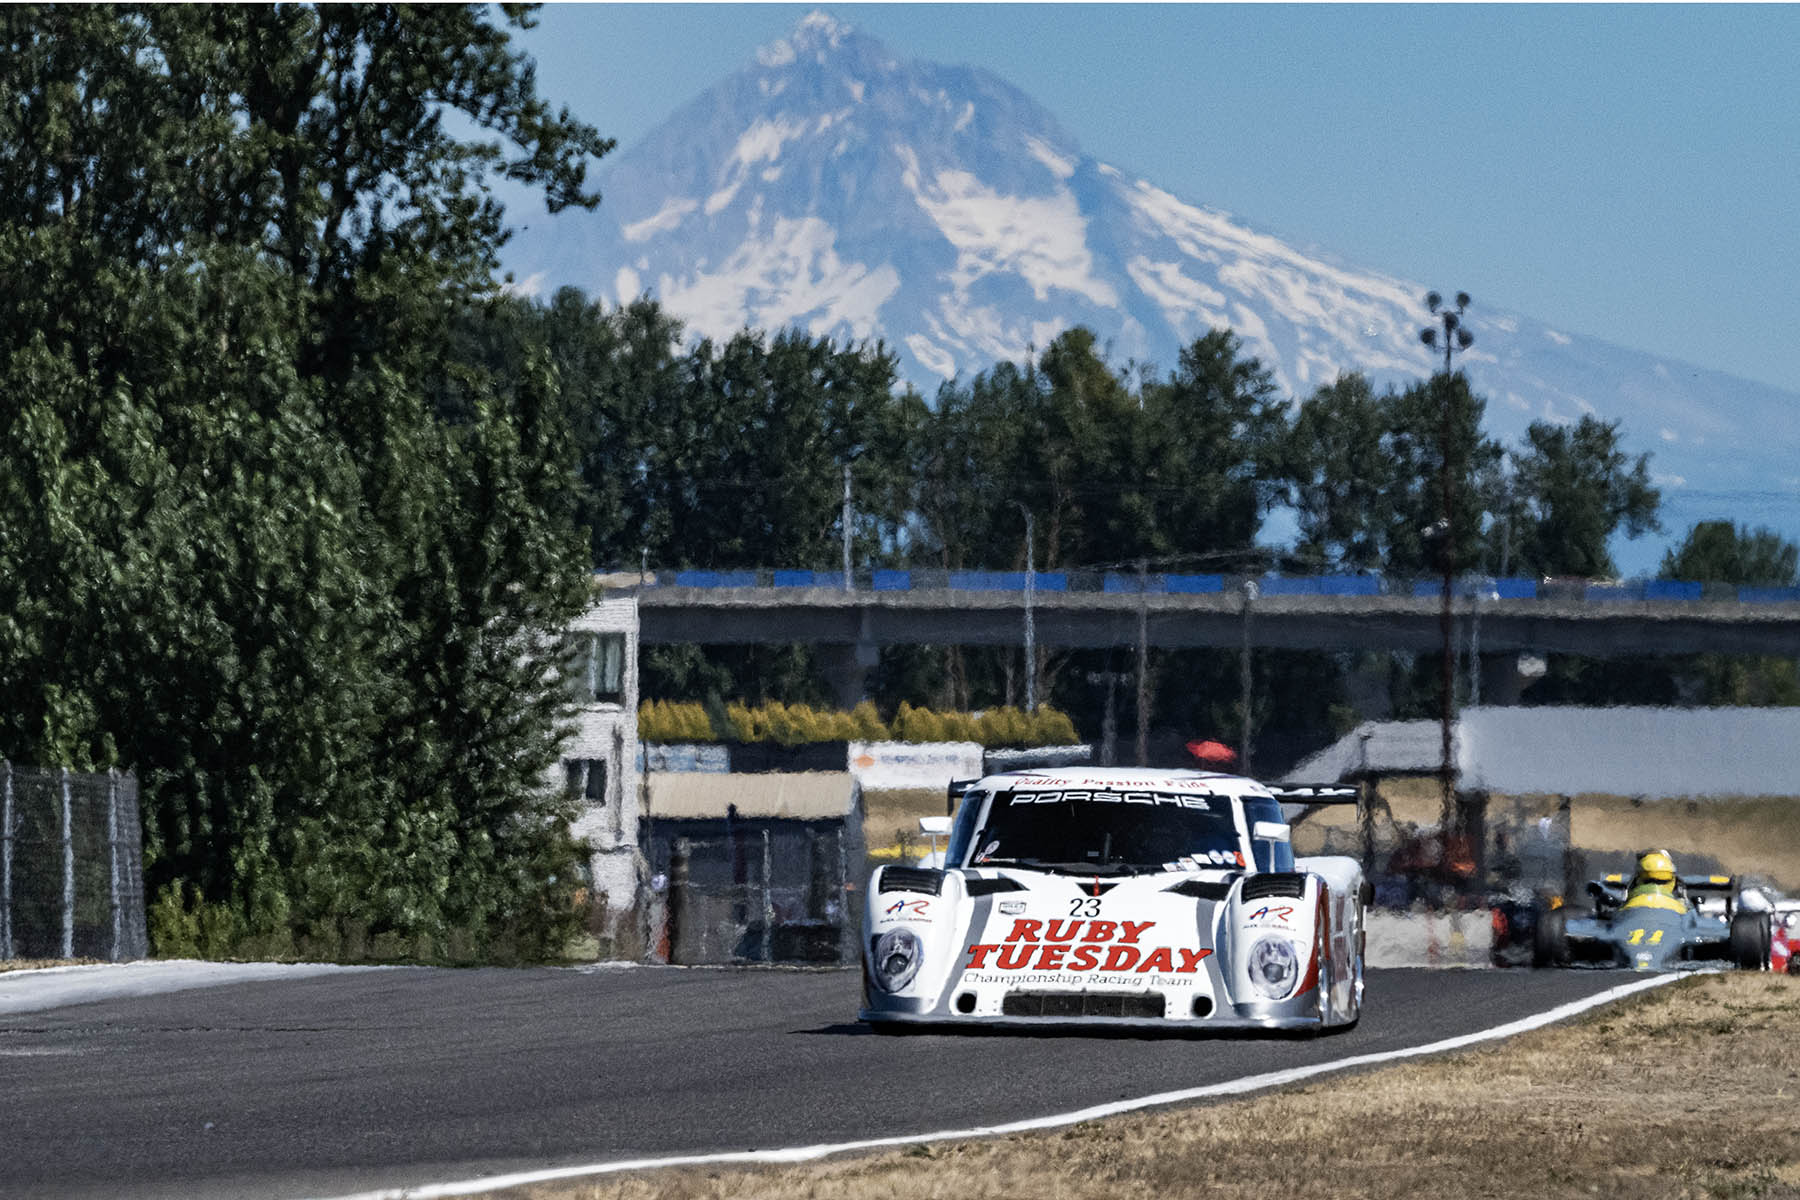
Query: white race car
x,y
1117,896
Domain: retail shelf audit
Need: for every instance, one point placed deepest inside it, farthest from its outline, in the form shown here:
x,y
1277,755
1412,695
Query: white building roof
x,y
1649,752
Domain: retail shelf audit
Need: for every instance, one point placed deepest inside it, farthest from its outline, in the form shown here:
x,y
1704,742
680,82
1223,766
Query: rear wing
x,y
1611,888
955,793
1315,793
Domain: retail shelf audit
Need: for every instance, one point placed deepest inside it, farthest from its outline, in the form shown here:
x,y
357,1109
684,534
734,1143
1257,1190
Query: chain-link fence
x,y
71,865
771,892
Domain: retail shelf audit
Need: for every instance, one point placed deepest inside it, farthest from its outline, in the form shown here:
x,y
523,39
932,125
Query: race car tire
x,y
1750,937
1550,938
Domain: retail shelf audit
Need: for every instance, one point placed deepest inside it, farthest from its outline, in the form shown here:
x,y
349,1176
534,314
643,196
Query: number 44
x,y
1637,937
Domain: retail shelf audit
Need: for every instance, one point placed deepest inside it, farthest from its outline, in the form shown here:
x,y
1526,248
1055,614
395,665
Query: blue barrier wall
x,y
1130,583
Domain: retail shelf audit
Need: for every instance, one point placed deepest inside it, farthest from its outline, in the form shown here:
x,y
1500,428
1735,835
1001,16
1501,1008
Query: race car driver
x,y
1653,883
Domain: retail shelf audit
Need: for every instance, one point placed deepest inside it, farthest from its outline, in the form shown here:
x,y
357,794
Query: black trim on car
x,y
910,879
1274,883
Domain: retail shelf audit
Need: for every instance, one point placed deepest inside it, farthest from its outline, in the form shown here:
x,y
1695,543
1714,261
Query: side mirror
x,y
1271,831
934,826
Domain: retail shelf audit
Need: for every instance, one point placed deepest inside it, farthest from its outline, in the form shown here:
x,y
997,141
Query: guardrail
x,y
1656,591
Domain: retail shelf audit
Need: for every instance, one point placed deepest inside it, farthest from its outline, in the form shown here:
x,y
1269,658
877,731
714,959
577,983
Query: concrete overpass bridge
x,y
1503,618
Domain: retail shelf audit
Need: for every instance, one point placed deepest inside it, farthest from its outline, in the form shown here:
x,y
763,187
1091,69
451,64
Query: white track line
x,y
1231,1087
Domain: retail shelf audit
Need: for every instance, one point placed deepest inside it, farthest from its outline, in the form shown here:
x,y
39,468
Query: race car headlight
x,y
897,955
1274,967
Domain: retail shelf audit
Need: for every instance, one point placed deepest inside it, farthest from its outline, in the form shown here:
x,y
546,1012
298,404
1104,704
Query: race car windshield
x,y
1106,832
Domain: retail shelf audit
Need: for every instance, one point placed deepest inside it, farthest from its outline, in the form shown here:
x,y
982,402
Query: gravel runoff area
x,y
1685,1091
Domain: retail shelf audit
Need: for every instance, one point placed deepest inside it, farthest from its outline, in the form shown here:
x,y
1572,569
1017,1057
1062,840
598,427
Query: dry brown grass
x,y
1688,1091
1749,837
892,817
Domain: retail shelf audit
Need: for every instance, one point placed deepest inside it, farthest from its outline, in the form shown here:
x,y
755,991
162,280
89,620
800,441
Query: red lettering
x,y
1055,932
1014,958
1101,931
978,955
1133,928
1190,961
1119,958
1024,931
1159,960
1086,958
1050,958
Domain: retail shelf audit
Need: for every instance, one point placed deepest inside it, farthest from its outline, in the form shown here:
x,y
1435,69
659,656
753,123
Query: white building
x,y
600,762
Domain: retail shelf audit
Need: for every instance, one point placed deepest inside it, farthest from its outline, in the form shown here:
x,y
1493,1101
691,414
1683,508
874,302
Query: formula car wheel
x,y
1750,940
1550,938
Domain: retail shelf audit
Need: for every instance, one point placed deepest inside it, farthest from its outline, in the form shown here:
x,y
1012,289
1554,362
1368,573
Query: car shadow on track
x,y
1097,1032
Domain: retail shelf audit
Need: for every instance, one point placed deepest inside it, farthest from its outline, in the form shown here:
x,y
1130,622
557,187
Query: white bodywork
x,y
1169,944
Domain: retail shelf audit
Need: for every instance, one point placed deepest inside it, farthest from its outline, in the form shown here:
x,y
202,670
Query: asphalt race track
x,y
334,1084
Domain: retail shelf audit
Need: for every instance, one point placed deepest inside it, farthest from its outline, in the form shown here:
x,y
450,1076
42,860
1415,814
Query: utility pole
x,y
1143,666
1109,719
1456,337
1030,629
848,585
1244,683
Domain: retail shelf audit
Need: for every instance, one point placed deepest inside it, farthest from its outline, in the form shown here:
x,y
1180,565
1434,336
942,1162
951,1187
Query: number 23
x,y
1088,906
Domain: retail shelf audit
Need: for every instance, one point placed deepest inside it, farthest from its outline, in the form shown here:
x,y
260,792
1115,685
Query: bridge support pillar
x,y
1504,677
846,668
1369,685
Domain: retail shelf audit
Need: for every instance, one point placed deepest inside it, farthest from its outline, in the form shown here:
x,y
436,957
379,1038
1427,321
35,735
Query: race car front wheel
x,y
1550,938
1750,940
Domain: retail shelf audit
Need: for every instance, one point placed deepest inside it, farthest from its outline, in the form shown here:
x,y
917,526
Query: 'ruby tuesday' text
x,y
1068,946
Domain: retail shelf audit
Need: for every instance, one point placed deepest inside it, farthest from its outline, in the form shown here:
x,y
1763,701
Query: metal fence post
x,y
6,843
768,899
68,848
112,854
678,898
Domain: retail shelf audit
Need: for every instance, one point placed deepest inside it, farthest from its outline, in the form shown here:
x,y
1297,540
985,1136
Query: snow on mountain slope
x,y
832,186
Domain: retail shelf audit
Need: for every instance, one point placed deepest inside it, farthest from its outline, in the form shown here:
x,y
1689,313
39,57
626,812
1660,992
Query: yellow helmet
x,y
1657,867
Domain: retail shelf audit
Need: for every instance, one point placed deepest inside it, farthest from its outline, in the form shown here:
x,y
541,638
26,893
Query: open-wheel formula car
x,y
1115,896
1654,931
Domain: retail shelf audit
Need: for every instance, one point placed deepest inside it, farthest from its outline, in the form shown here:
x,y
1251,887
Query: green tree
x,y
1414,445
244,552
1720,552
1341,472
1214,433
1578,489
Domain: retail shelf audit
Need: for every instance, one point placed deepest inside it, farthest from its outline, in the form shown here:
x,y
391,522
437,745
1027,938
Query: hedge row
x,y
795,724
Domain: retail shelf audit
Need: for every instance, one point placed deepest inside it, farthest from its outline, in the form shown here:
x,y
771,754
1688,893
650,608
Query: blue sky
x,y
1627,172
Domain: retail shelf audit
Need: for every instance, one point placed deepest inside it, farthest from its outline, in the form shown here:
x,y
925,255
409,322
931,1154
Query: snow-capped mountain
x,y
833,186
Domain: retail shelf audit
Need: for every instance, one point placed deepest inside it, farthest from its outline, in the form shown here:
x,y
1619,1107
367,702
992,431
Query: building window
x,y
587,780
597,668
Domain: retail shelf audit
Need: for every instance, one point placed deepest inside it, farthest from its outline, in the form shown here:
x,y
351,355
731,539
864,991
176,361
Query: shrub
x,y
798,724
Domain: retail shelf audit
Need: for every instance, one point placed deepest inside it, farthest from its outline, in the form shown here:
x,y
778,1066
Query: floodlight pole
x,y
1456,337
